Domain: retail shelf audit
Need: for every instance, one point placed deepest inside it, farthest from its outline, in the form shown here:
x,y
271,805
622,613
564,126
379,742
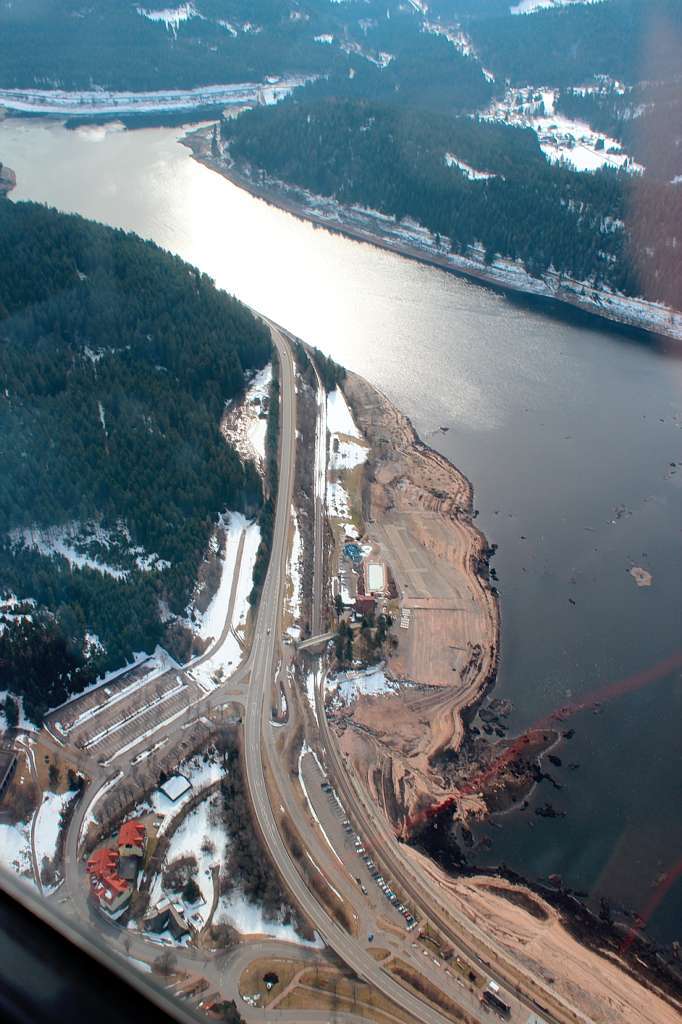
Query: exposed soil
x,y
559,942
418,511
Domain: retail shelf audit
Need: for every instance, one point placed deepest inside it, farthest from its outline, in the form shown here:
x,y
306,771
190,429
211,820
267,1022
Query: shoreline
x,y
418,517
8,180
574,924
655,322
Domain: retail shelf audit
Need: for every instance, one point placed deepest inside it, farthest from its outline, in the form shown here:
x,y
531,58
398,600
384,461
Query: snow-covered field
x,y
295,571
338,501
346,450
203,836
346,454
472,174
249,919
560,138
530,6
339,417
104,101
210,623
247,428
15,847
225,659
47,822
348,686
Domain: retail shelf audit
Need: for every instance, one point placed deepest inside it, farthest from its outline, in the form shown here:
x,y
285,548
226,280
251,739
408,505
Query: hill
x,y
116,361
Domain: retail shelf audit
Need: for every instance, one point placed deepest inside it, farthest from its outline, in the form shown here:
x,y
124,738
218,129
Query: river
x,y
570,433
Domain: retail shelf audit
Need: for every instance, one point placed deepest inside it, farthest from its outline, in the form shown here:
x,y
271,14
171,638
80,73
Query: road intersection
x,y
270,786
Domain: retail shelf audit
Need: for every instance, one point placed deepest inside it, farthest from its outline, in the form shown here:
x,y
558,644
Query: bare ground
x,y
532,932
417,507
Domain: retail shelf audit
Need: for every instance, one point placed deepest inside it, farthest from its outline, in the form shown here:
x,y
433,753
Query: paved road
x,y
319,503
351,951
259,749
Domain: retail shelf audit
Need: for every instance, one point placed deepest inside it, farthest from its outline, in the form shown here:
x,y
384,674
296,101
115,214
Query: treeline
x,y
247,867
40,662
646,119
116,360
570,45
109,44
609,228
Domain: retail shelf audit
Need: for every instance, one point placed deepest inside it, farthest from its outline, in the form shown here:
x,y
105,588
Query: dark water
x,y
559,426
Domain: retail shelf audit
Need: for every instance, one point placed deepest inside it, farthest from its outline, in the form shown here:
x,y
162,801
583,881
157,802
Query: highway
x,y
251,686
257,720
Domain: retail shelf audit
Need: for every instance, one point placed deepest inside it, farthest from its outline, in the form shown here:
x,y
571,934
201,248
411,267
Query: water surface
x,y
567,432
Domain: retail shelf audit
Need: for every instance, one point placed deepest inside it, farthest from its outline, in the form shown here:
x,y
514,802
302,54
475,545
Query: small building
x,y
165,917
132,839
376,578
365,605
175,786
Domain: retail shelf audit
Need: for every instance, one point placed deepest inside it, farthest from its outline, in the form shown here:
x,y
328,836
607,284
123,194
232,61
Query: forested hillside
x,y
609,227
116,360
630,40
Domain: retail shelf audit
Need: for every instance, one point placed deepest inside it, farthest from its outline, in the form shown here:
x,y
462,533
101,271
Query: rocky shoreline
x,y
553,294
8,180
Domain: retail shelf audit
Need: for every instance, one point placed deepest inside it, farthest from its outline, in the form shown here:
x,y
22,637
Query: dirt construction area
x,y
418,513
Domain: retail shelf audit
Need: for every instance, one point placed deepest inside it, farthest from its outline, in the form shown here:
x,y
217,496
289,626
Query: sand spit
x,y
418,511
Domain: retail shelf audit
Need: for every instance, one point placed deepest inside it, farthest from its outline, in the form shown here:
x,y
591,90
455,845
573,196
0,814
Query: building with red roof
x,y
111,890
132,838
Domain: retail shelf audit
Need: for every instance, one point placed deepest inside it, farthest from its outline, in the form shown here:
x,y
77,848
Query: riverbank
x,y
553,936
419,523
8,180
410,239
414,745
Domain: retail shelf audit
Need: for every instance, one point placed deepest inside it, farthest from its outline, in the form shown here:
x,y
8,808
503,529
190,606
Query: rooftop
x,y
175,786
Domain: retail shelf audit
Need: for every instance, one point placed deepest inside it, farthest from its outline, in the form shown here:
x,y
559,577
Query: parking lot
x,y
355,855
114,718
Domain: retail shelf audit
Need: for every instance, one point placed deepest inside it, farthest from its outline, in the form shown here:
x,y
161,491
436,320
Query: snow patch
x,y
15,848
471,172
338,501
171,17
531,6
346,454
209,672
348,686
47,823
295,572
201,835
249,919
247,428
339,417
